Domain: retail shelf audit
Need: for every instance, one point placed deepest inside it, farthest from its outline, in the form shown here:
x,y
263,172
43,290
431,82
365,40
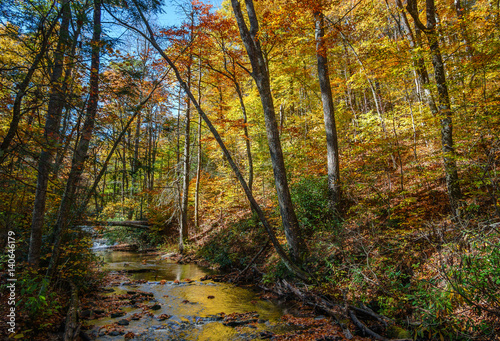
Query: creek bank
x,y
342,321
143,300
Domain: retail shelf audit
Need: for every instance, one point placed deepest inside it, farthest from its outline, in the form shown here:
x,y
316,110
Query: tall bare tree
x,y
332,146
260,74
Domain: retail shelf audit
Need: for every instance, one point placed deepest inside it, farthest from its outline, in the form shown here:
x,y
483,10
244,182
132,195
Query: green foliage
x,y
38,307
476,276
76,259
452,305
217,254
310,197
434,307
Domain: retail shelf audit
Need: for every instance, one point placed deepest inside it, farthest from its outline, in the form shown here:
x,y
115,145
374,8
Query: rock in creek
x,y
115,333
123,323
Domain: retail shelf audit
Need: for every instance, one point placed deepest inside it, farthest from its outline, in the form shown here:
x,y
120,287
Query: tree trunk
x,y
68,75
50,138
135,160
260,74
231,75
445,113
463,28
419,64
104,167
183,230
246,135
77,166
198,158
328,113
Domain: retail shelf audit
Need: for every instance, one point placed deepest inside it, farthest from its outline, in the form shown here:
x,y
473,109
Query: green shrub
x,y
310,197
476,276
38,307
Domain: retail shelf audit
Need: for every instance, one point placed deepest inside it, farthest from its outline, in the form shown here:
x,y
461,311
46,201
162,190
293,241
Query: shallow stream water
x,y
193,305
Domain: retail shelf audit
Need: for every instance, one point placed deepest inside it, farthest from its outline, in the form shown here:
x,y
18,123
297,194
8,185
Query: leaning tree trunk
x,y
279,249
80,154
50,138
260,74
231,75
444,109
102,172
328,113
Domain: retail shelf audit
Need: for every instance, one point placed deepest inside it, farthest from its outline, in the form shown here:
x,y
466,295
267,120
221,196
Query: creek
x,y
194,307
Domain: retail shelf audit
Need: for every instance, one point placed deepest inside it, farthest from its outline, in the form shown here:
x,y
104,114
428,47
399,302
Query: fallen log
x,y
364,328
338,311
367,311
123,247
141,224
320,303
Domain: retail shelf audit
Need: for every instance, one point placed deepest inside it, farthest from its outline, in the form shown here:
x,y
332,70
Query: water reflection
x,y
190,304
159,269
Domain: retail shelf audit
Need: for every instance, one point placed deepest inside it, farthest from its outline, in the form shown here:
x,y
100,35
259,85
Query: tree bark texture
x,y
444,108
183,230
419,63
260,74
50,138
198,157
80,155
328,113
